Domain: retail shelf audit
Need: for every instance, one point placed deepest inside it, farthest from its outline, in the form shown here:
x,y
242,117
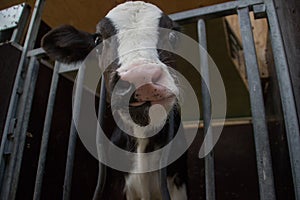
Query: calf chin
x,y
140,114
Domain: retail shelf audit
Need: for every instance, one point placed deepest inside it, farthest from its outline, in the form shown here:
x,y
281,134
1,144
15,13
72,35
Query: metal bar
x,y
102,168
65,68
205,85
17,46
46,134
29,43
73,135
164,159
262,147
102,102
23,131
36,52
47,63
14,166
259,11
19,31
213,11
228,122
286,93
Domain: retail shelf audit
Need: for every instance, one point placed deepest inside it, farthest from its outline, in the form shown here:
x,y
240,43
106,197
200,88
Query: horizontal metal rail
x,y
36,52
69,68
214,11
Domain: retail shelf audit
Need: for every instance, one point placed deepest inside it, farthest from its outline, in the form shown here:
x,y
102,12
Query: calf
x,y
143,76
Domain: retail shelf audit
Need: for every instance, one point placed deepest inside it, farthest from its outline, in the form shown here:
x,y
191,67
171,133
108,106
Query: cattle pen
x,y
257,157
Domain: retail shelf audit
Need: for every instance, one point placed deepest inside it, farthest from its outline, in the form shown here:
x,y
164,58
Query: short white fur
x,y
137,25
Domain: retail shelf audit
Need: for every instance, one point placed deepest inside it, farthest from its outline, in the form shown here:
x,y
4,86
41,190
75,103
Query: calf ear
x,y
67,44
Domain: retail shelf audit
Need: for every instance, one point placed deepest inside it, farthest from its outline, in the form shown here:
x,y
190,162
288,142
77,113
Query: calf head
x,y
135,68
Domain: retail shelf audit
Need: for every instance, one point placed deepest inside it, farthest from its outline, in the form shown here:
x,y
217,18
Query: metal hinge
x,y
12,126
10,138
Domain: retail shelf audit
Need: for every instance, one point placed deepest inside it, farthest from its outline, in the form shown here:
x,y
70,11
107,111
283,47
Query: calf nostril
x,y
123,87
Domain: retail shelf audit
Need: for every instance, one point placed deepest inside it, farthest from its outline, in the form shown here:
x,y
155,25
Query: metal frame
x,y
12,143
13,140
20,29
15,18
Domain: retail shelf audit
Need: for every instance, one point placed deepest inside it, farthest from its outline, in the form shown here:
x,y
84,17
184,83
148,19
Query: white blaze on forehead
x,y
137,26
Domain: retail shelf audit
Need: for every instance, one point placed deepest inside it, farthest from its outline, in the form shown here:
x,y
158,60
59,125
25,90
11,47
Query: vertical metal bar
x,y
286,93
29,43
73,135
102,168
164,159
24,125
205,84
262,147
102,102
46,134
14,166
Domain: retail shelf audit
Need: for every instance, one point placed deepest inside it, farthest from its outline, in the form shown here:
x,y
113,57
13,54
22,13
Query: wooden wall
x,y
260,34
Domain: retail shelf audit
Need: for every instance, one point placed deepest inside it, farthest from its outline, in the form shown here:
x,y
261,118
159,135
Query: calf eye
x,y
97,41
98,38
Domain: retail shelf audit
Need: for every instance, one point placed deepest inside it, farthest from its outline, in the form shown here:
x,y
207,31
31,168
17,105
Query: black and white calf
x,y
143,73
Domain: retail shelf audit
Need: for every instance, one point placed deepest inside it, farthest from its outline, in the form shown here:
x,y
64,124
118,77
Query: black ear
x,y
67,44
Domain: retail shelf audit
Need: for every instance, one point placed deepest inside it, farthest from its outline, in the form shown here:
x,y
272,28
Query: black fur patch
x,y
67,44
106,28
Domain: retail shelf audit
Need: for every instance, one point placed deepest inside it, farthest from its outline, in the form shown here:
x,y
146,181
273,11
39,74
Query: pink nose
x,y
148,80
142,74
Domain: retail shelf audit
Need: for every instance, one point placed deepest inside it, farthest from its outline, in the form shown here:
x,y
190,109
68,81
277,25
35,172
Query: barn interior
x,y
234,154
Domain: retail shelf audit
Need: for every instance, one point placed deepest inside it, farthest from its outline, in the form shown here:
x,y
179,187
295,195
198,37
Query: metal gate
x,y
13,138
